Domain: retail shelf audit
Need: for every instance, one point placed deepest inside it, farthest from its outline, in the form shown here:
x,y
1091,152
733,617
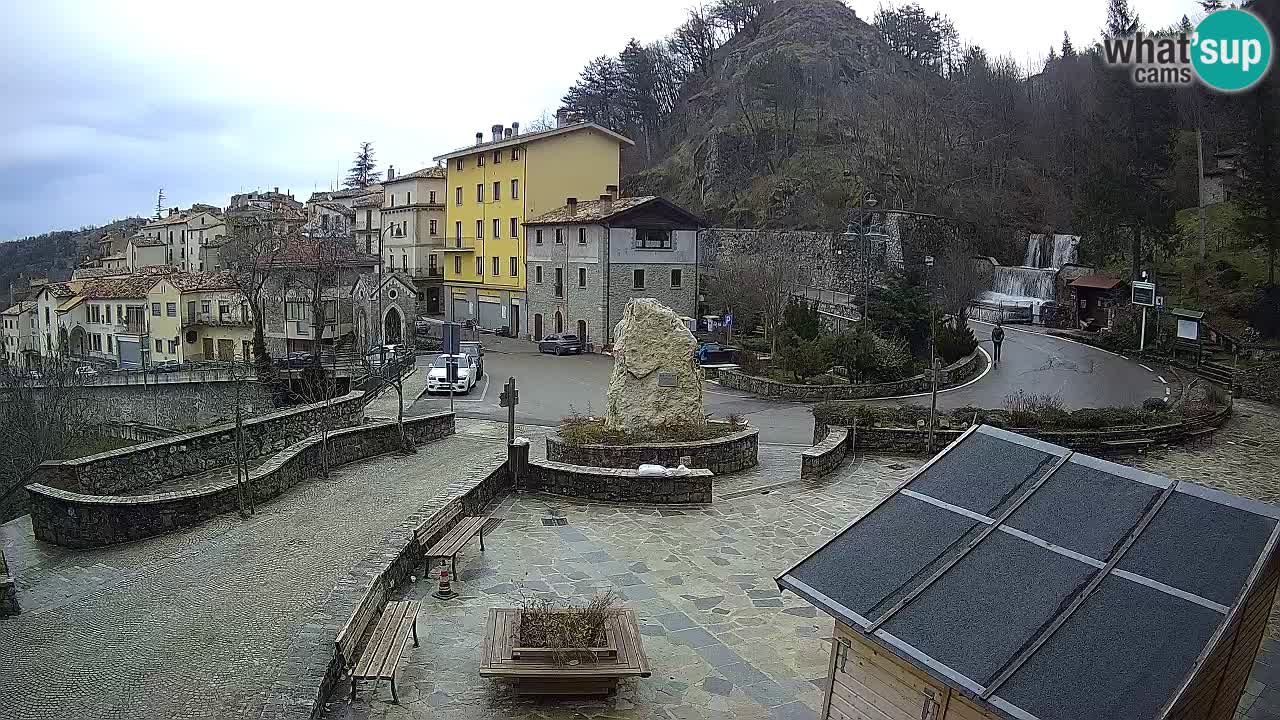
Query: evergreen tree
x,y
597,96
363,172
1068,50
1211,5
1121,20
1259,198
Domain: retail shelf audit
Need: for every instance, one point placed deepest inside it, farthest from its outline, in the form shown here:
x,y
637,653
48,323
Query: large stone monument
x,y
655,381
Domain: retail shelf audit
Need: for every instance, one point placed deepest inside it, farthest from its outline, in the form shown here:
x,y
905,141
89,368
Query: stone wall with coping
x,y
730,453
311,667
138,467
171,405
8,590
915,440
954,374
827,454
79,520
615,484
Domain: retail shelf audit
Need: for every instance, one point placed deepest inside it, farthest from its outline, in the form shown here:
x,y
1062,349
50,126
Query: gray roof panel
x,y
981,473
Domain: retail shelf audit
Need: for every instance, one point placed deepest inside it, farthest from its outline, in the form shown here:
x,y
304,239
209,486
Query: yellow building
x,y
492,187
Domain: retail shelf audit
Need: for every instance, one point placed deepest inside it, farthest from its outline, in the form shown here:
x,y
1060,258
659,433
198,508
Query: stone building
x,y
587,259
384,307
411,235
289,302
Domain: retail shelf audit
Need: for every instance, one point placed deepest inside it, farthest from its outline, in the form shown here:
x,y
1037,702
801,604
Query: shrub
x,y
953,343
580,430
801,318
1155,404
846,413
909,415
804,359
1228,277
750,363
756,344
544,624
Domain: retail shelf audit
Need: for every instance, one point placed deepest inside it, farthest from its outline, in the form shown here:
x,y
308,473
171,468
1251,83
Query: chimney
x,y
515,128
612,190
606,202
506,134
479,138
562,117
391,173
277,190
497,132
573,205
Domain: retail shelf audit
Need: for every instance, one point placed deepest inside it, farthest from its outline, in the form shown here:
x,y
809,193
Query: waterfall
x,y
1045,251
1023,283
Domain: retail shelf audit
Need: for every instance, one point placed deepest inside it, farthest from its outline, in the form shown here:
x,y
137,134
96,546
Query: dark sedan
x,y
560,344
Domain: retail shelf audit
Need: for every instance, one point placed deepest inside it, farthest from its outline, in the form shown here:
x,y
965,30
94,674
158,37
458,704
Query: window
x,y
479,229
497,228
637,279
480,160
582,236
393,204
155,309
457,195
582,277
458,165
204,306
224,310
171,309
108,314
676,278
433,227
537,236
653,239
408,198
159,346
173,347
368,246
497,190
119,315
497,266
515,227
110,348
457,232
457,264
559,238
537,274
497,156
515,267
559,285
479,192
431,197
392,259
515,153
515,189
480,266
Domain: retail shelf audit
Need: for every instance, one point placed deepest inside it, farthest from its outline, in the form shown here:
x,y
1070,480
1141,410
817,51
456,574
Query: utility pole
x,y
1200,189
933,359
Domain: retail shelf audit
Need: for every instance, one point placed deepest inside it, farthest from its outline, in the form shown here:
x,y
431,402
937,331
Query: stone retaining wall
x,y
140,466
827,454
312,668
915,440
79,520
615,484
730,453
954,374
8,591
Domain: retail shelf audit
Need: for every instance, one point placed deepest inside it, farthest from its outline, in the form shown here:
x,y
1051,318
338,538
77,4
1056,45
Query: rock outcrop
x,y
655,381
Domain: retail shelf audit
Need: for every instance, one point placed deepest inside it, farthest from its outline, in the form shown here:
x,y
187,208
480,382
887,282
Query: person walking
x,y
997,337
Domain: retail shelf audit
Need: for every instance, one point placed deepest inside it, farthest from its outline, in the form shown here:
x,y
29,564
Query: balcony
x,y
210,319
458,246
133,327
427,273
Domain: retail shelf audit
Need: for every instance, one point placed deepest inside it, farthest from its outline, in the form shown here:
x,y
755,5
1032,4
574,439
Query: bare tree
x,y
251,253
759,280
960,279
40,417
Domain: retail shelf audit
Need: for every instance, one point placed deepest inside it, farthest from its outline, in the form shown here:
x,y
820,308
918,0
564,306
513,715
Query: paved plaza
x,y
194,624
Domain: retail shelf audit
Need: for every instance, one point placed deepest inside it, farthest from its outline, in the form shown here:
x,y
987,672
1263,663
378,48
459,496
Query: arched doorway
x,y
559,323
391,327
77,343
582,331
537,326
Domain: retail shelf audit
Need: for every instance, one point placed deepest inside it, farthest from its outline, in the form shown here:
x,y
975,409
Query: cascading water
x,y
1034,283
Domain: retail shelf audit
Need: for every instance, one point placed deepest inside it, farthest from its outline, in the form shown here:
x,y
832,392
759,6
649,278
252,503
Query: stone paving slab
x,y
195,624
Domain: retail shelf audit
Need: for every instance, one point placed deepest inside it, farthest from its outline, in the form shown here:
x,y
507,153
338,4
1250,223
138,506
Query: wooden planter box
x,y
536,671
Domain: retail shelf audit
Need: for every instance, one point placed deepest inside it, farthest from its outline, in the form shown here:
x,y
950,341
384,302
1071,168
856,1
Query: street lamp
x,y
933,360
867,202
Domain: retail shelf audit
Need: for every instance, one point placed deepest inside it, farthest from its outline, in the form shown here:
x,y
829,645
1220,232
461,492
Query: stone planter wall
x,y
954,374
827,454
615,484
731,453
80,520
139,466
312,667
915,440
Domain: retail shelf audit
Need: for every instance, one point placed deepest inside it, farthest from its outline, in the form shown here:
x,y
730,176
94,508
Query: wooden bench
x,y
441,543
382,653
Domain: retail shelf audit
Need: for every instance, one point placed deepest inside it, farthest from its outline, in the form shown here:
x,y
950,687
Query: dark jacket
x,y
997,334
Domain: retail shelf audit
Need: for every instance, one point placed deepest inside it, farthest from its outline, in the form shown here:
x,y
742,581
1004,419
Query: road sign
x,y
451,334
1143,293
728,320
509,398
1159,301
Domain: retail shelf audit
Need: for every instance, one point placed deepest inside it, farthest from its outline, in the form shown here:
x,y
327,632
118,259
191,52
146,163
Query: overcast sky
x,y
106,102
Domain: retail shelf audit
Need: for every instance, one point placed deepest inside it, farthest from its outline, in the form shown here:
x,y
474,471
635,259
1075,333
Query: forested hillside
x,y
56,254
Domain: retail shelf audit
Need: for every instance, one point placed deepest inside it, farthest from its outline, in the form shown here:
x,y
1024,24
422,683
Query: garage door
x,y
460,310
130,353
490,315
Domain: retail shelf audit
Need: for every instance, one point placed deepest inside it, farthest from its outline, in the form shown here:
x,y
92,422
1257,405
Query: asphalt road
x,y
553,387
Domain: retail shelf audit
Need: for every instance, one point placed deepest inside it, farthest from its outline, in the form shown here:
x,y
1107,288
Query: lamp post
x,y
867,202
382,340
933,360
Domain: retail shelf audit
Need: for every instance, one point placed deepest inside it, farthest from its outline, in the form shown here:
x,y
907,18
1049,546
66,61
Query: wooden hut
x,y
1010,578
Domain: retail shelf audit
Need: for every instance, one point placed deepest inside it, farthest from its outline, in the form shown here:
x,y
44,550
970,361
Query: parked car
x,y
34,374
476,351
560,343
166,366
438,379
85,370
295,360
716,354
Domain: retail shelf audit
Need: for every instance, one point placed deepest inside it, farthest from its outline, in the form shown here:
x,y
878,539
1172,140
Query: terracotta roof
x,y
374,200
60,290
1098,282
143,242
334,207
24,306
303,252
130,286
532,137
596,211
191,282
431,172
